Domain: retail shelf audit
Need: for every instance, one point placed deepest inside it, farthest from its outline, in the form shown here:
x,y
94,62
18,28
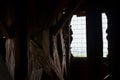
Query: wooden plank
x,y
39,55
94,42
55,54
10,56
36,74
64,66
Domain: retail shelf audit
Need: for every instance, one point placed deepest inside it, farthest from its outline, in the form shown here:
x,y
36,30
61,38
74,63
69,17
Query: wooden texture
x,y
4,71
10,56
64,68
39,57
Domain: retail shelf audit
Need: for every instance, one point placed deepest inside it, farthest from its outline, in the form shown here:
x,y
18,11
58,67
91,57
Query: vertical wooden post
x,y
94,42
21,57
113,42
20,25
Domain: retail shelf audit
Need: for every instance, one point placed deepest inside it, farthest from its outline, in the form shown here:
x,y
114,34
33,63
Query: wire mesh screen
x,y
78,45
105,42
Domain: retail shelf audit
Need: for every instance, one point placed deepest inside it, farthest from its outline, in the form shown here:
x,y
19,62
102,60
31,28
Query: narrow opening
x,y
78,45
105,42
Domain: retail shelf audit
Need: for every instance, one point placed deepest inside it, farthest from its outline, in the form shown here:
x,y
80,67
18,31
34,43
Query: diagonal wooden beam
x,y
68,14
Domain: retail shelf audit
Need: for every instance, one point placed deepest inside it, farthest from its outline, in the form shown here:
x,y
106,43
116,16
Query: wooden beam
x,y
68,14
64,65
113,42
94,41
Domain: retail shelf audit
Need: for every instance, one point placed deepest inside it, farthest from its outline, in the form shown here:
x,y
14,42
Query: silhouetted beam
x,y
21,62
68,14
94,41
113,37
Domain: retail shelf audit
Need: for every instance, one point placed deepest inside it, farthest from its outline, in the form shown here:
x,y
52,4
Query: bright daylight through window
x,y
78,45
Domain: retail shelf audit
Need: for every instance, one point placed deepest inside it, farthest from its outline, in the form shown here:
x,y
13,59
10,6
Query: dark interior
x,y
35,39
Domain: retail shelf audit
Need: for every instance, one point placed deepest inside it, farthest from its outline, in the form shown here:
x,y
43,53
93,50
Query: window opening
x,y
78,45
105,42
